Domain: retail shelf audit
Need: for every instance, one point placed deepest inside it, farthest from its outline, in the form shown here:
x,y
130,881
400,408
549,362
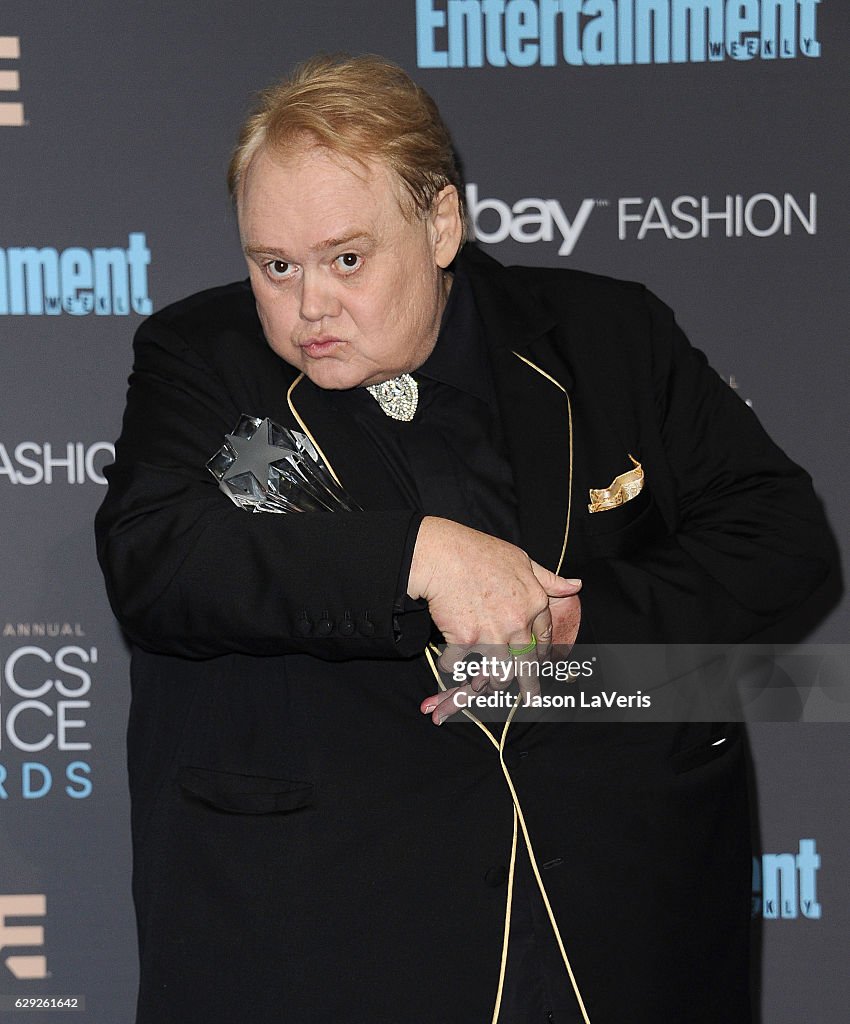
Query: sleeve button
x,y
304,627
325,625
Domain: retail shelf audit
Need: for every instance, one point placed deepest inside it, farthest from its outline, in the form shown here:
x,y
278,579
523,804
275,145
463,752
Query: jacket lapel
x,y
532,384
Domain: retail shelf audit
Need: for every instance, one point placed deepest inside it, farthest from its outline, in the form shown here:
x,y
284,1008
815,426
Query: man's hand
x,y
566,618
484,594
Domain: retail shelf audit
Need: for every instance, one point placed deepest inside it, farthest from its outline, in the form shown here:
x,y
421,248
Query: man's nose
x,y
318,298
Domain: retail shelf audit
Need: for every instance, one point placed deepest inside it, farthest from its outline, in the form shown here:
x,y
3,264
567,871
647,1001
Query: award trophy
x,y
264,467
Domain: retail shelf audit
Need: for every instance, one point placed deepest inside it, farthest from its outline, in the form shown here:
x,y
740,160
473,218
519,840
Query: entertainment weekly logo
x,y
638,218
45,701
785,884
106,281
546,33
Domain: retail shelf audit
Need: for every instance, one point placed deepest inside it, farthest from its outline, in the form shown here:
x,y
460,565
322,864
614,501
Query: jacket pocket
x,y
622,531
612,519
244,794
722,741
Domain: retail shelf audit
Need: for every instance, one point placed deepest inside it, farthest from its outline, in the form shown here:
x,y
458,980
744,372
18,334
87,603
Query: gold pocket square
x,y
622,488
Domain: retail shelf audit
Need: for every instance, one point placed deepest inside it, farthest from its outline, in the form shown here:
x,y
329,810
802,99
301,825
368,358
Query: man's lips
x,y
318,347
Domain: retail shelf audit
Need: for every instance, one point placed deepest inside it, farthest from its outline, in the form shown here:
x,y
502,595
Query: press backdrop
x,y
699,147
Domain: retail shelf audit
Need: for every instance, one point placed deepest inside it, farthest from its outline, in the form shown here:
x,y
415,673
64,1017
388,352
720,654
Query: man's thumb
x,y
555,586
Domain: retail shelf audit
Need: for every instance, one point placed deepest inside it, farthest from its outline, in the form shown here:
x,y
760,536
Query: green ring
x,y
516,651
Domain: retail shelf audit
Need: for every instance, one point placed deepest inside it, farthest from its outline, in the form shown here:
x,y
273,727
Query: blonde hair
x,y
360,107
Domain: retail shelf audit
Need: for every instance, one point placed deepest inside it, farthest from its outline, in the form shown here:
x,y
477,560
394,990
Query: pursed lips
x,y
318,347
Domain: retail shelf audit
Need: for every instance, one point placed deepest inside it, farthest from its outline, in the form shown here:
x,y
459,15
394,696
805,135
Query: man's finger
x,y
443,705
527,664
476,671
451,656
543,629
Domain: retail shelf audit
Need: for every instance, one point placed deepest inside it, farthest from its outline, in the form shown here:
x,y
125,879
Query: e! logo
x,y
11,114
31,965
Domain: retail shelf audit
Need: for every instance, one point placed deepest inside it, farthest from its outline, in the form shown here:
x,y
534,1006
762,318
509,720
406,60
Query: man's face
x,y
348,288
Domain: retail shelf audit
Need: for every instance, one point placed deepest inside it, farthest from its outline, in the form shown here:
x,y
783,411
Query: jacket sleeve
x,y
190,574
746,541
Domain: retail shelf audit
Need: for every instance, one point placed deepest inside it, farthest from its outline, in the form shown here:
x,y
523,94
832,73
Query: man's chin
x,y
332,376
338,375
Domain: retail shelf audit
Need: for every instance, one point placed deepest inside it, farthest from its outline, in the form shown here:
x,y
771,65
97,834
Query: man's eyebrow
x,y
323,246
336,243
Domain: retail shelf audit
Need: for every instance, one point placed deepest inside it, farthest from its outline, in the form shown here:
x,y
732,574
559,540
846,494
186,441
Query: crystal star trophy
x,y
264,467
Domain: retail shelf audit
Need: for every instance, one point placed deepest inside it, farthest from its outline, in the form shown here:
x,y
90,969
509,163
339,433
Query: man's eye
x,y
349,261
277,268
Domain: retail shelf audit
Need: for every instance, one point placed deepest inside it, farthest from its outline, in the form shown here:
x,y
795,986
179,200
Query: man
x,y
307,846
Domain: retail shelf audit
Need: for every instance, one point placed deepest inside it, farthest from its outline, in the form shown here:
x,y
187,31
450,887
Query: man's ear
x,y
446,226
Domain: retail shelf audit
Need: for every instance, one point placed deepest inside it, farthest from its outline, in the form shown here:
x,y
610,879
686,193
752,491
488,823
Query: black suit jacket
x,y
305,842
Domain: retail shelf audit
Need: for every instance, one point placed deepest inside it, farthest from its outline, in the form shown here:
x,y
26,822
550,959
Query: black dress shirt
x,y
450,461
